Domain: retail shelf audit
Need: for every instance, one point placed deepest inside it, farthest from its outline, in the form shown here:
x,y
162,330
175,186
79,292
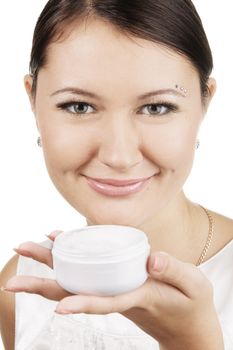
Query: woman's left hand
x,y
175,304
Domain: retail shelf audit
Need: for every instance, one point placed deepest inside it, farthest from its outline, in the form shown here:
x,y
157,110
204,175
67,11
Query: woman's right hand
x,y
45,287
175,305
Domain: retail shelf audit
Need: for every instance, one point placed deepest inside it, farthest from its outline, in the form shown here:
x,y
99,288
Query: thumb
x,y
184,276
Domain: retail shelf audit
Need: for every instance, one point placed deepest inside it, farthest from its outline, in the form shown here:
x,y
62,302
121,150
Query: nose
x,y
119,146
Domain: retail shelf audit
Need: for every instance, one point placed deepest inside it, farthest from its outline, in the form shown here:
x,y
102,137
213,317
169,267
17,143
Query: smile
x,y
116,188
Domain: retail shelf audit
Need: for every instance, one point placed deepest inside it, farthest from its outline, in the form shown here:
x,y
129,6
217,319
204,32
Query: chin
x,y
108,219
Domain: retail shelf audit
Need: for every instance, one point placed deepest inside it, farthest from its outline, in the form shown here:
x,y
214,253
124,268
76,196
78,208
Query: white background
x,y
30,205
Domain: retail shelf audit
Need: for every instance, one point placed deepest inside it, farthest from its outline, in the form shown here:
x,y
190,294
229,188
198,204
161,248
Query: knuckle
x,y
172,266
178,273
42,286
87,305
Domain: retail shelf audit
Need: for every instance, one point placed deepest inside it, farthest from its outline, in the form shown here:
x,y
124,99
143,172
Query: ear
x,y
212,86
28,83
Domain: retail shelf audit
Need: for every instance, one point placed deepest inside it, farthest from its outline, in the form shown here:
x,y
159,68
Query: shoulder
x,y
7,305
223,230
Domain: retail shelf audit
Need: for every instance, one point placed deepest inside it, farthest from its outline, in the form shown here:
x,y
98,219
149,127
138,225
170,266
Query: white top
x,y
39,328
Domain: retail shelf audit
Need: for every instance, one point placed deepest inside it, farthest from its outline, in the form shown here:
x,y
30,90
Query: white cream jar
x,y
101,260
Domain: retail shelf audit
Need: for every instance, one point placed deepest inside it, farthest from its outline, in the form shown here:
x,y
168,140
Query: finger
x,y
54,234
45,287
36,252
184,276
99,305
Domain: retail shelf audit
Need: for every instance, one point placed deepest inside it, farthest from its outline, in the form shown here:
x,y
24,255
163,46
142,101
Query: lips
x,y
112,187
119,182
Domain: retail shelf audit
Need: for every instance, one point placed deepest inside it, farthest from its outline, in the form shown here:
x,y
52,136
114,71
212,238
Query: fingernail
x,y
13,284
5,289
159,262
17,250
62,311
20,247
23,252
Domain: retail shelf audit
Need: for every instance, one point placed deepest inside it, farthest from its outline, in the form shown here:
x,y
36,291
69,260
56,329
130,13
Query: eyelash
x,y
170,107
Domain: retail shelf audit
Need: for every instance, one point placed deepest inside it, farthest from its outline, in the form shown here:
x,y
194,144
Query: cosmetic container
x,y
101,260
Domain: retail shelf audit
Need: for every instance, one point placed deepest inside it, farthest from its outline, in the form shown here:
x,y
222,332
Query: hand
x,y
175,304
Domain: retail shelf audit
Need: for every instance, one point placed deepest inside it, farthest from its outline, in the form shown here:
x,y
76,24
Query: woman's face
x,y
117,133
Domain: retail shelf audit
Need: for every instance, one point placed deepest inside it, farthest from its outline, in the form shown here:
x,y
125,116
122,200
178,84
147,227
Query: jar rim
x,y
137,248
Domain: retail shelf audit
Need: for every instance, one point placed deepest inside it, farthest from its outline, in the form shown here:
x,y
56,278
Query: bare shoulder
x,y
223,229
7,305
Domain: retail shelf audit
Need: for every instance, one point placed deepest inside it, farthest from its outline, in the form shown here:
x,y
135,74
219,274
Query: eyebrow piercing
x,y
182,89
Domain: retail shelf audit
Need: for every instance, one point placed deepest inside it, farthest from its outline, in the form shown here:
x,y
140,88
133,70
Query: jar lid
x,y
98,242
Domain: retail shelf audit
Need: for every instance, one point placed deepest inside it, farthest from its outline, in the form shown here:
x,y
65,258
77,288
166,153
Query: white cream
x,y
101,260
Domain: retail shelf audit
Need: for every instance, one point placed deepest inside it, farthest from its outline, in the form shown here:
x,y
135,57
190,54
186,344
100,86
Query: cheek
x,y
172,146
69,146
66,147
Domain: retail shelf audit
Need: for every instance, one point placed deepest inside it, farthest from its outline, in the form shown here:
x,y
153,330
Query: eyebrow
x,y
79,91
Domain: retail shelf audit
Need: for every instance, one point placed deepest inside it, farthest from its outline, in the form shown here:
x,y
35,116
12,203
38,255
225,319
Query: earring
x,y
39,141
197,144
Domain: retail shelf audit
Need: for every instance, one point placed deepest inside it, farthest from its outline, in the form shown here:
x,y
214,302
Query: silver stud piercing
x,y
39,141
181,89
197,144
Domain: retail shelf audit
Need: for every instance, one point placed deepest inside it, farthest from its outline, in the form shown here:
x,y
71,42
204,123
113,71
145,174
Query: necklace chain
x,y
209,237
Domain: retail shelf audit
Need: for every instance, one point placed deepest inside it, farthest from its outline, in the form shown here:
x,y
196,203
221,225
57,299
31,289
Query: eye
x,y
75,107
160,109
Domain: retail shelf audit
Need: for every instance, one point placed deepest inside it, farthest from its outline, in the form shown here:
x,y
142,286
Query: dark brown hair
x,y
172,23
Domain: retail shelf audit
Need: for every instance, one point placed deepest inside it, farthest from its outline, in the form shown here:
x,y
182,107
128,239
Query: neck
x,y
180,229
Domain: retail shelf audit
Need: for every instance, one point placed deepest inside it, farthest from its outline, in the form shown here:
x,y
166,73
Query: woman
x,y
141,73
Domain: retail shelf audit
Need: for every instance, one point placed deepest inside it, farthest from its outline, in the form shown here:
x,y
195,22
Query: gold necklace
x,y
209,237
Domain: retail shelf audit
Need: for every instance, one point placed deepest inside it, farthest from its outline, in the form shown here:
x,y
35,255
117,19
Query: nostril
x,y
120,158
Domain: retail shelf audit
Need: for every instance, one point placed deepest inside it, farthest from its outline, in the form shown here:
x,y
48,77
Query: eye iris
x,y
80,107
156,108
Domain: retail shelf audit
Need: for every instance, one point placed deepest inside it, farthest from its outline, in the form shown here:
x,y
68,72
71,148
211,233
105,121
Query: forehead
x,y
97,52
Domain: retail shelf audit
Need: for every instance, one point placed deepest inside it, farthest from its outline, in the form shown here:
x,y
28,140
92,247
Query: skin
x,y
115,140
118,138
